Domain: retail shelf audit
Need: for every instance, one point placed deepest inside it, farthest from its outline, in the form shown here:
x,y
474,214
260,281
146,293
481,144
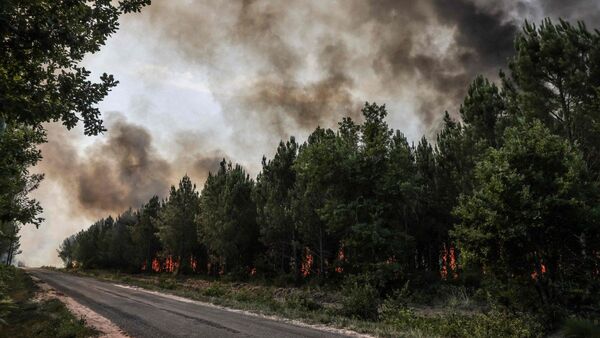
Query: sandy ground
x,y
106,328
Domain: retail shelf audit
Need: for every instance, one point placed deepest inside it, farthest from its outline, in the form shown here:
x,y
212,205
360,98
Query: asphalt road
x,y
142,314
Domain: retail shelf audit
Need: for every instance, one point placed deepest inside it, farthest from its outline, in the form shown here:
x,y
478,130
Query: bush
x,y
7,273
386,277
457,297
359,298
302,301
166,283
396,303
214,290
493,324
496,323
243,295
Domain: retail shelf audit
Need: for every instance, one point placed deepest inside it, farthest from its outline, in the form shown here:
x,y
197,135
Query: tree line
x,y
506,195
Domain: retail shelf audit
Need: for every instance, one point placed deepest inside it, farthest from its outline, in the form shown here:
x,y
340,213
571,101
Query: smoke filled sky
x,y
201,80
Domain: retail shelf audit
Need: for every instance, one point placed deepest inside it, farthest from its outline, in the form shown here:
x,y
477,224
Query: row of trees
x,y
352,200
509,193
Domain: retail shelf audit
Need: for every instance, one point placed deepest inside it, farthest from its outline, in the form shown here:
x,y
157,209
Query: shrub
x,y
214,290
302,301
7,273
395,303
166,283
496,323
359,298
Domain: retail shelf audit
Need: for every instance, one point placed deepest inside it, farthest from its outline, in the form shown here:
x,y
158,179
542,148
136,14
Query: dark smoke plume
x,y
305,64
310,62
123,170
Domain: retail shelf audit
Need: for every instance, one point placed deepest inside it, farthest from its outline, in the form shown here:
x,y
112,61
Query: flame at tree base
x,y
448,262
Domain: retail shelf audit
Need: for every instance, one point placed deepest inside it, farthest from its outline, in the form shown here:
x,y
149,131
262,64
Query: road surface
x,y
143,314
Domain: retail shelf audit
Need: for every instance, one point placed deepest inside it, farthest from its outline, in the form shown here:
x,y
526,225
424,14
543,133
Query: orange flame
x,y
453,263
341,258
444,268
534,274
171,265
448,262
155,265
193,263
307,263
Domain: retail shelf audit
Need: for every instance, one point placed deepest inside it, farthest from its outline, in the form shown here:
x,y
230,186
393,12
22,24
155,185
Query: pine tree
x,y
144,233
273,198
554,78
528,211
227,221
176,223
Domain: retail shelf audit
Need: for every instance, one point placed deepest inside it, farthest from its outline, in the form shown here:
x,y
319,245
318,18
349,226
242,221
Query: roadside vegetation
x,y
452,312
21,315
500,213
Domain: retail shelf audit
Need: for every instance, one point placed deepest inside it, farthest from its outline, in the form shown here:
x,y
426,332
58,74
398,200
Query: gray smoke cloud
x,y
121,170
306,63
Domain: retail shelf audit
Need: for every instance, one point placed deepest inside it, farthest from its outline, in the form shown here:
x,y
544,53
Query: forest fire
x,y
342,259
155,265
448,262
543,270
171,265
387,127
307,263
193,263
453,266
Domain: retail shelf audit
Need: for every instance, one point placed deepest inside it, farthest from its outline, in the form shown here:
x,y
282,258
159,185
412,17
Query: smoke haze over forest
x,y
204,80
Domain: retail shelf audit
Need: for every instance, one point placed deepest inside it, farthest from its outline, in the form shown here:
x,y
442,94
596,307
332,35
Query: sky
x,y
203,80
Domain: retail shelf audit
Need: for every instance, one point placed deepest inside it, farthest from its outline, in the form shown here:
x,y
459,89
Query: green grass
x,y
330,306
23,317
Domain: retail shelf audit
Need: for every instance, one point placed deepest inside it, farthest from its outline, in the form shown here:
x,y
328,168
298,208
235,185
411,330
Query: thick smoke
x,y
289,65
586,10
285,66
122,170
